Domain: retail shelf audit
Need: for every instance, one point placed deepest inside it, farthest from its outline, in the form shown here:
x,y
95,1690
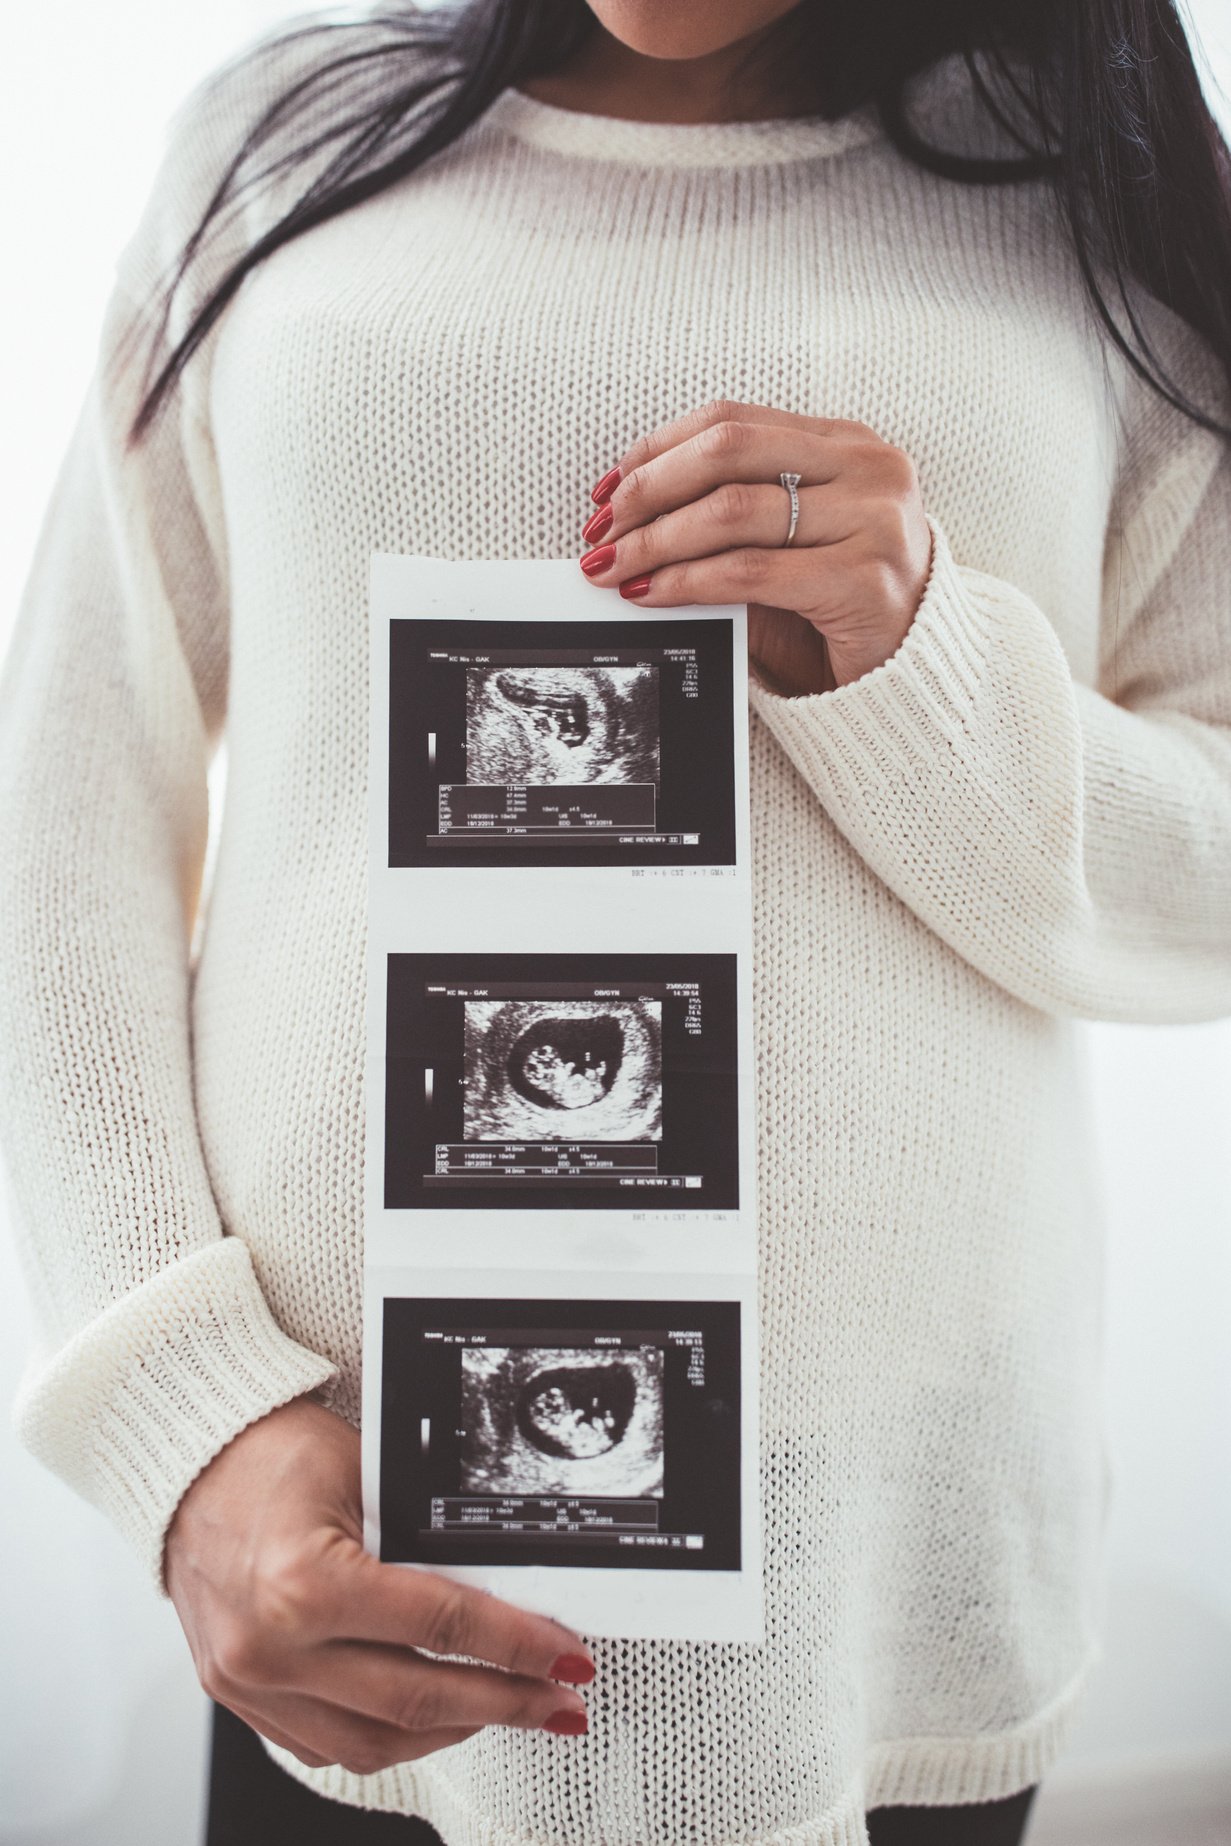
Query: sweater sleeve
x,y
154,1343
1072,842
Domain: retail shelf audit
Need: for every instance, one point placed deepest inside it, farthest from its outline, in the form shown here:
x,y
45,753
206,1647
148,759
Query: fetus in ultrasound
x,y
549,726
575,1070
562,1420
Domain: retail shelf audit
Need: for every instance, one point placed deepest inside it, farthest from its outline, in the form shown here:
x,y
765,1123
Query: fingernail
x,y
604,489
634,586
597,523
575,1668
598,560
568,1723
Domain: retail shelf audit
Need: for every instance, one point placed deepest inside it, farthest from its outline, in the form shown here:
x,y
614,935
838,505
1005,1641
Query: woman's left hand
x,y
695,513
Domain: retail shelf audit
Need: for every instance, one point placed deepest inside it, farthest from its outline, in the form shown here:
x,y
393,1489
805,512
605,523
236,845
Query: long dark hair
x,y
1107,92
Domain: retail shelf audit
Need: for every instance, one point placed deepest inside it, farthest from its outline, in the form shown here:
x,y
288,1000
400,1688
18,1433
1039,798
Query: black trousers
x,y
252,1802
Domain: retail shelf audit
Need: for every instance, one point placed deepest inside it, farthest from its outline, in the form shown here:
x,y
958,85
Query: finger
x,y
319,1733
727,410
413,1692
779,579
731,453
370,1601
731,516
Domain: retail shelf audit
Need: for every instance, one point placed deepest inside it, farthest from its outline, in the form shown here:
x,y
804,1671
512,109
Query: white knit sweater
x,y
1021,819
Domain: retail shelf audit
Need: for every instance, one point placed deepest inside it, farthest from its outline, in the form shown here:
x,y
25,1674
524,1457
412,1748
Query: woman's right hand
x,y
314,1643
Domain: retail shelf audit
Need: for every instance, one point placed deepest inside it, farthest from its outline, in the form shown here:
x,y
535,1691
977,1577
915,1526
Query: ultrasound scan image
x,y
575,1070
549,726
562,1420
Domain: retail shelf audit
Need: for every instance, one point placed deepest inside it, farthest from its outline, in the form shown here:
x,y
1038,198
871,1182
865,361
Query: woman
x,y
490,261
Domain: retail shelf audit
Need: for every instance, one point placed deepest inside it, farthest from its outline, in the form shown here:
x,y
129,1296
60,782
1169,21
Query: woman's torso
x,y
444,371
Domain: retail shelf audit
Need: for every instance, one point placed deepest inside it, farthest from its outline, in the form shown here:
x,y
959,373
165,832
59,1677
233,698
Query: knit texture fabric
x,y
1020,820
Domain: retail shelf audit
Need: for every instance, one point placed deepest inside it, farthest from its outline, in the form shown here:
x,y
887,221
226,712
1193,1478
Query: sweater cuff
x,y
896,715
136,1405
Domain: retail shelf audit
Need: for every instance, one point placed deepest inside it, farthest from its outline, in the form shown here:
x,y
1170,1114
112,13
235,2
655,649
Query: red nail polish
x,y
598,560
568,1723
575,1668
597,523
635,586
604,489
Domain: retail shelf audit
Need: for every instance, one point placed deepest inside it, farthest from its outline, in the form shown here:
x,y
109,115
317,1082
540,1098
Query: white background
x,y
102,1724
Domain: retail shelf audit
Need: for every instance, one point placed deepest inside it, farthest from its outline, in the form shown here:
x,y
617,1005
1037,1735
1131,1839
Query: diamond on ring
x,y
791,483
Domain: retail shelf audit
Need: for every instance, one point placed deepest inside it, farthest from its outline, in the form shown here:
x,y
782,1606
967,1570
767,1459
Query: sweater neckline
x,y
678,144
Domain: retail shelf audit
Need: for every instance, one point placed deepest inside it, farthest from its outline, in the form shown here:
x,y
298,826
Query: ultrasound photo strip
x,y
560,1290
